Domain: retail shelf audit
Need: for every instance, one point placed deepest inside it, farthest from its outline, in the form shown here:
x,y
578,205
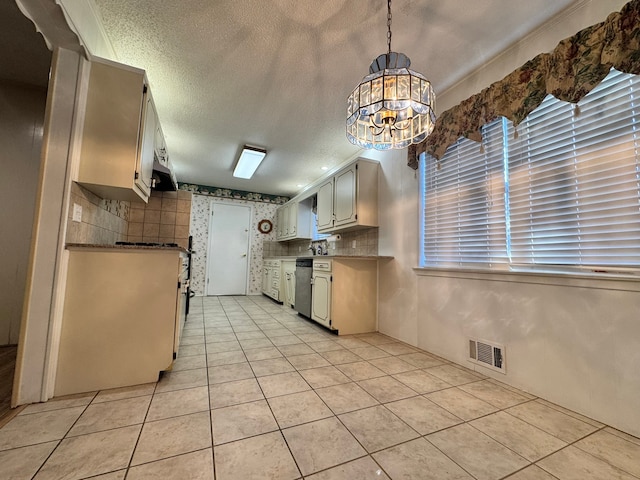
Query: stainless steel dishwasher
x,y
304,269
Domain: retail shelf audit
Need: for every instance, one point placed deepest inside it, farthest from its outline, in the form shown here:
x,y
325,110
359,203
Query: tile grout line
x,y
210,410
336,416
63,437
526,400
282,435
574,444
419,436
270,318
144,421
306,423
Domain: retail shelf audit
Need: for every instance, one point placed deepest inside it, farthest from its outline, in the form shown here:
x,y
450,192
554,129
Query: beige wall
x,y
544,39
21,124
575,344
571,341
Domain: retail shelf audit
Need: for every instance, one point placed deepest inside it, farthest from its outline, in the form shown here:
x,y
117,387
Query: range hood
x,y
163,179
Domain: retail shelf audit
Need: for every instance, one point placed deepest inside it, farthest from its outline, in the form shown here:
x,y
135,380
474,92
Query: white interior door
x,y
228,250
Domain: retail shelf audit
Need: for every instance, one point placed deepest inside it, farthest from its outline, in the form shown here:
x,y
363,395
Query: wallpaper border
x,y
233,194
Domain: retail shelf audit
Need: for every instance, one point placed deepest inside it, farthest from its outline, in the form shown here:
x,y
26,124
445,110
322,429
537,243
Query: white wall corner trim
x,y
581,14
41,321
84,19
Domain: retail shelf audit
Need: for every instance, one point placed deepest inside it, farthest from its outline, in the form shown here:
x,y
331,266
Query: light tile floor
x,y
260,393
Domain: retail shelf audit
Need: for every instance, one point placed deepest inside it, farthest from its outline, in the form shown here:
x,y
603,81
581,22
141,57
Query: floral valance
x,y
572,70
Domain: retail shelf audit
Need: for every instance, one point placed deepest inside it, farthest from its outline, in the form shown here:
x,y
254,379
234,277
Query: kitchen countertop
x,y
335,257
105,246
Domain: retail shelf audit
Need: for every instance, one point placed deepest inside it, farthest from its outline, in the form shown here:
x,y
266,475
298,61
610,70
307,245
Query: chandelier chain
x,y
389,26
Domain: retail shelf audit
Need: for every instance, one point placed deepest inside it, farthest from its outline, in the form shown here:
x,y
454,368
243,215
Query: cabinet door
x,y
266,283
325,206
344,205
160,146
181,314
292,224
281,216
111,135
291,288
144,162
321,298
289,283
276,282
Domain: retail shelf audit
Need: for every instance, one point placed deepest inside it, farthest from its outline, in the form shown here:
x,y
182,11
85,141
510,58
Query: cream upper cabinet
x,y
292,224
160,146
293,221
325,206
344,196
282,221
144,163
117,132
349,199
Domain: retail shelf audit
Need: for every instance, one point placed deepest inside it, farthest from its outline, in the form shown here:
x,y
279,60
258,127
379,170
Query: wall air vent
x,y
487,354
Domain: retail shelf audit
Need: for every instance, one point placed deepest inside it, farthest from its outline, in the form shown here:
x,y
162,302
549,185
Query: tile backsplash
x,y
164,219
366,244
276,249
103,221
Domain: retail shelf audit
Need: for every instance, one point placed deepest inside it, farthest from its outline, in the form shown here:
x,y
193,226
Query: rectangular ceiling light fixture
x,y
249,161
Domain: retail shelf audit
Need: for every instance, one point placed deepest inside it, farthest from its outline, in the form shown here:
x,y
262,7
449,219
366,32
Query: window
x,y
464,214
564,191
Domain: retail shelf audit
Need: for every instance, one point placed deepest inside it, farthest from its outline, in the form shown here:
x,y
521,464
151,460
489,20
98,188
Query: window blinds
x,y
464,221
574,180
564,191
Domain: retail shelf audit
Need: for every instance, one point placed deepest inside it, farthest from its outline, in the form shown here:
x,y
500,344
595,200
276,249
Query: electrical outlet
x,y
77,212
353,244
299,248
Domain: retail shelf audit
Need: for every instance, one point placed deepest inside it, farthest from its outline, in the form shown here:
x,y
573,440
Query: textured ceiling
x,y
276,74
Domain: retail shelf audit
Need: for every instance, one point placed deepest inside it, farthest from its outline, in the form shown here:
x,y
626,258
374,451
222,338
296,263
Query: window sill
x,y
597,280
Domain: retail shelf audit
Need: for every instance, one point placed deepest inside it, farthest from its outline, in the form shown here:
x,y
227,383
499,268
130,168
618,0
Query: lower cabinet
x,y
271,285
288,282
344,294
122,317
265,279
321,280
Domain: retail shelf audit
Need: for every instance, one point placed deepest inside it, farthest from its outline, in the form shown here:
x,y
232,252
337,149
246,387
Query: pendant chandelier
x,y
393,106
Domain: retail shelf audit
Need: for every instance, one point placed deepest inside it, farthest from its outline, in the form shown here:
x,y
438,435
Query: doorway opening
x,y
23,98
